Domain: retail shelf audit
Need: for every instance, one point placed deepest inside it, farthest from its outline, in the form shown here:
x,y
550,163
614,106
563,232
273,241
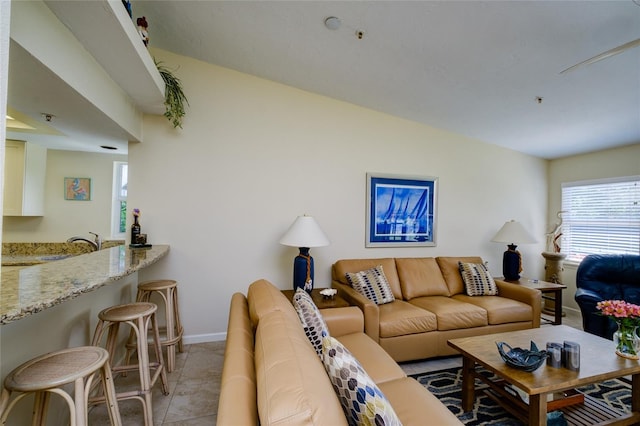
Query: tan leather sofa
x,y
431,306
272,374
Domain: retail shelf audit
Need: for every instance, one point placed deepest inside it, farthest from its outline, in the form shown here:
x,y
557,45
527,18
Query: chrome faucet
x,y
96,244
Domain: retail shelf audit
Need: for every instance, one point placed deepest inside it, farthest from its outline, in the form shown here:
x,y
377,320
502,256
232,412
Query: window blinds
x,y
602,217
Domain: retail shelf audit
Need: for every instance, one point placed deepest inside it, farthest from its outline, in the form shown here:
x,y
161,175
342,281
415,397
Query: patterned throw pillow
x,y
314,325
362,401
372,284
477,279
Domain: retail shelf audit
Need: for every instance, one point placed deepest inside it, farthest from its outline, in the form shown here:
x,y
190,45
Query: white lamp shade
x,y
513,232
304,232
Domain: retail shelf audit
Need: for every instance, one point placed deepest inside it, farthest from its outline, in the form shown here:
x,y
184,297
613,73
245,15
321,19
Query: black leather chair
x,y
606,277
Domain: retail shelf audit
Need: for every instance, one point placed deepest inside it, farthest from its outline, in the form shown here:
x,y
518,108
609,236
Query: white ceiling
x,y
472,67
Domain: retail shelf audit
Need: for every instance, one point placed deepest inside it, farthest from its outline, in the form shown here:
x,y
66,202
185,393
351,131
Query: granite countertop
x,y
35,288
27,254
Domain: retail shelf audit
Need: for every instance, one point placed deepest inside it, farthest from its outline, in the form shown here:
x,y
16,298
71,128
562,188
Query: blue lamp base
x,y
303,270
511,263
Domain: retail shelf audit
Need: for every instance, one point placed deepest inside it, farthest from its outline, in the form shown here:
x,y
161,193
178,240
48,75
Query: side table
x,y
321,302
545,287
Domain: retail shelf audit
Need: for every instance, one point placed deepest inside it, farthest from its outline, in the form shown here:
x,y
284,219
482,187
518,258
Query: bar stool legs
x,y
45,374
168,291
140,316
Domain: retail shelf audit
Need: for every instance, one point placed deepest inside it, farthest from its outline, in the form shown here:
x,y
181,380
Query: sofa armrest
x,y
530,296
237,403
342,321
368,308
589,296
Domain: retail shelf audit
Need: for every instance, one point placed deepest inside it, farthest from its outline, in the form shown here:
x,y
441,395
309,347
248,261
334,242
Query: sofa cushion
x,y
401,318
312,322
375,360
362,400
451,273
477,279
292,384
452,314
341,267
500,310
373,284
420,277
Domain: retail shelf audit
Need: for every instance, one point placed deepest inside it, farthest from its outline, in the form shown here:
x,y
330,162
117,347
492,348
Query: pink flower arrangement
x,y
620,311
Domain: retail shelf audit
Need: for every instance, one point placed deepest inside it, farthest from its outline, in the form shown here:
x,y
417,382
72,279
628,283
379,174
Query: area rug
x,y
447,385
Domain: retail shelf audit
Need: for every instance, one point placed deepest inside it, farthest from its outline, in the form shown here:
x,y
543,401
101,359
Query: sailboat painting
x,y
401,210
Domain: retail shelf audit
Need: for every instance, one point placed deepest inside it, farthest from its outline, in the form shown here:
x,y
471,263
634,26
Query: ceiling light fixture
x,y
332,23
48,117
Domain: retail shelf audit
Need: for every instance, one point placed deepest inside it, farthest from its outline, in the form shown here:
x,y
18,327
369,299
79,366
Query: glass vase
x,y
627,341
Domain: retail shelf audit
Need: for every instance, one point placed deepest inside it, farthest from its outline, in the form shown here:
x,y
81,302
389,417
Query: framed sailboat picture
x,y
401,210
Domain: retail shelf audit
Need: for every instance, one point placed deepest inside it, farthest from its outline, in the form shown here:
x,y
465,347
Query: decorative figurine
x,y
553,237
127,5
142,29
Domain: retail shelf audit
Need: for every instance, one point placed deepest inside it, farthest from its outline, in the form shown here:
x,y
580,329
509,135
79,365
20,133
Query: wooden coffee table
x,y
598,362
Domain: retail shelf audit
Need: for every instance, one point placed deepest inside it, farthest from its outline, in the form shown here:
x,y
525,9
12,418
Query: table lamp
x,y
304,233
512,232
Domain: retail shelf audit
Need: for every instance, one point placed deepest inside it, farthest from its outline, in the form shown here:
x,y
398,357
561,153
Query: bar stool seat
x,y
140,316
172,336
45,375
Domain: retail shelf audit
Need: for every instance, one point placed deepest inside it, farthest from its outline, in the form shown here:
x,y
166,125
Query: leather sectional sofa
x,y
431,306
272,375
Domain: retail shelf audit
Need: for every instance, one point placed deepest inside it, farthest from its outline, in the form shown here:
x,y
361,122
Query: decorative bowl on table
x,y
522,359
328,293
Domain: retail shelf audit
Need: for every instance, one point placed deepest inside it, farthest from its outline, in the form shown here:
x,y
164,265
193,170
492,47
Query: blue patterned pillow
x,y
477,279
314,325
372,284
361,399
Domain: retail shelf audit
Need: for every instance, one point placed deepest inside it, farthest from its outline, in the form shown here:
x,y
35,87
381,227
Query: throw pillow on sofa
x,y
477,279
314,325
373,284
361,399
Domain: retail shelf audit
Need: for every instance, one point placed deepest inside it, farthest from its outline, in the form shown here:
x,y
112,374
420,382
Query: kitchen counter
x,y
32,289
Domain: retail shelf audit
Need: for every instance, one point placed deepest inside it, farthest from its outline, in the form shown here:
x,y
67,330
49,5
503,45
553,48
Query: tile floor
x,y
194,386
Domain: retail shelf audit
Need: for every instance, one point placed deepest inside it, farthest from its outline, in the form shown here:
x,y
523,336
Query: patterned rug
x,y
447,385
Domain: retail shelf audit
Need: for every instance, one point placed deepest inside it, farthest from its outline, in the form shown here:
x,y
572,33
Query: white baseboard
x,y
204,338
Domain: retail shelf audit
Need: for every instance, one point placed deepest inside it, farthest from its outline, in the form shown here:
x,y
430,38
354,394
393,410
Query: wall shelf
x,y
107,32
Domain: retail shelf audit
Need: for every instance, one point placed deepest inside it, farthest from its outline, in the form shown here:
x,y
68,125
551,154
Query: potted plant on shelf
x,y
174,97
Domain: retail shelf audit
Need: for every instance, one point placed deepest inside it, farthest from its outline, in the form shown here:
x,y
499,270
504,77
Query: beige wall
x,y
598,165
254,154
66,218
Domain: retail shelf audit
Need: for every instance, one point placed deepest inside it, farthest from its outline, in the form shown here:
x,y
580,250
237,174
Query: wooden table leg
x,y
468,383
558,307
538,410
635,393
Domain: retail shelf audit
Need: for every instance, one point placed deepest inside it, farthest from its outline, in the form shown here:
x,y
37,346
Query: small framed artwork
x,y
78,189
401,210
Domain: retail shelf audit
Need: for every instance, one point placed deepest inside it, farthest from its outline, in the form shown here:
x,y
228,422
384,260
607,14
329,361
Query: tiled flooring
x,y
195,386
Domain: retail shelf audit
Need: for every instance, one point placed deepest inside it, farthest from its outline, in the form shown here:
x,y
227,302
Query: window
x,y
119,203
602,217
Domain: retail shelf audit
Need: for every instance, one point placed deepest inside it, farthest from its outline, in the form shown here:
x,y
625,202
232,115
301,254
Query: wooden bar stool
x,y
172,337
140,316
45,375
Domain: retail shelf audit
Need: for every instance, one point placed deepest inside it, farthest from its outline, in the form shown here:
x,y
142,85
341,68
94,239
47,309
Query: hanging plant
x,y
174,98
